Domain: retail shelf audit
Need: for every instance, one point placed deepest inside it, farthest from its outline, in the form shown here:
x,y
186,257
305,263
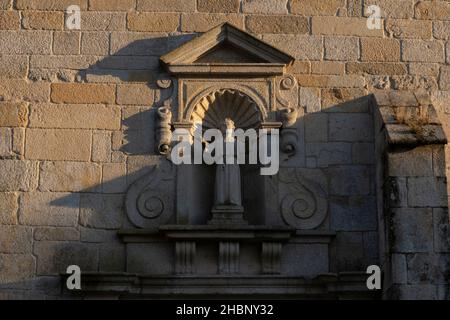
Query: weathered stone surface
x,y
101,211
43,20
138,44
18,175
16,267
401,9
441,230
112,5
25,42
15,239
82,93
415,163
399,269
19,90
331,81
58,144
103,21
61,62
316,127
341,48
439,167
265,6
413,230
98,235
344,100
304,259
374,49
403,28
166,6
317,7
75,116
112,258
350,127
354,8
95,43
299,67
371,247
13,114
218,5
376,68
69,176
9,20
444,79
422,51
155,22
277,24
427,69
5,4
114,178
18,145
8,208
135,94
433,10
66,42
329,153
101,147
160,252
427,268
6,137
201,22
300,46
427,192
363,153
349,251
349,180
49,4
441,29
327,67
49,209
343,26
53,257
56,234
356,213
310,98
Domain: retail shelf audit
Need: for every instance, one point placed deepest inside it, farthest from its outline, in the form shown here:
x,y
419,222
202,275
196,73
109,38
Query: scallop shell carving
x,y
212,110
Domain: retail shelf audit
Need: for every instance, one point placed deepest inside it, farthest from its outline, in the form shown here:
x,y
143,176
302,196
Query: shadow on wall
x,y
136,64
339,140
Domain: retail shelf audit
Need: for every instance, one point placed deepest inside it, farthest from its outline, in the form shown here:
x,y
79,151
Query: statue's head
x,y
227,124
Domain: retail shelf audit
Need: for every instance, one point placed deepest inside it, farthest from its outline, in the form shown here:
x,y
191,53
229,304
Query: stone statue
x,y
228,175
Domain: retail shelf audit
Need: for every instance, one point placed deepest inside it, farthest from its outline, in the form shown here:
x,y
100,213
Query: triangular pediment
x,y
226,49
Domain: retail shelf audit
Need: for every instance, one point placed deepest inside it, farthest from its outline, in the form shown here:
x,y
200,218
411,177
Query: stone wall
x,y
76,116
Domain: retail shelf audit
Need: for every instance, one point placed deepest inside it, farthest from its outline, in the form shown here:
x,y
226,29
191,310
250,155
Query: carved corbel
x,y
289,136
164,118
164,132
287,100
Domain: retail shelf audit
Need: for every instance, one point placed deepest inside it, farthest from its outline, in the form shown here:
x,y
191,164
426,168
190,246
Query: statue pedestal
x,y
227,214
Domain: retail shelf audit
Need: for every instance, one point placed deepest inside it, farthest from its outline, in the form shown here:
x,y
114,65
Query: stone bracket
x,y
228,257
271,257
185,257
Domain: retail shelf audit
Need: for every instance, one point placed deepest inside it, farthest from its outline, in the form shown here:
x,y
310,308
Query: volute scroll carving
x,y
149,201
304,199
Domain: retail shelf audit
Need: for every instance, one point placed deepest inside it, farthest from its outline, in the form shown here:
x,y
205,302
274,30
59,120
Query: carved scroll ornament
x,y
304,202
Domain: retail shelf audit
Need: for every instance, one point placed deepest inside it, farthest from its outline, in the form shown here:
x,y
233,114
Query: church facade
x,y
343,115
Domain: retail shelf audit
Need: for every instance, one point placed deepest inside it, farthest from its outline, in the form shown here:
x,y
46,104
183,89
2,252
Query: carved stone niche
x,y
186,243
